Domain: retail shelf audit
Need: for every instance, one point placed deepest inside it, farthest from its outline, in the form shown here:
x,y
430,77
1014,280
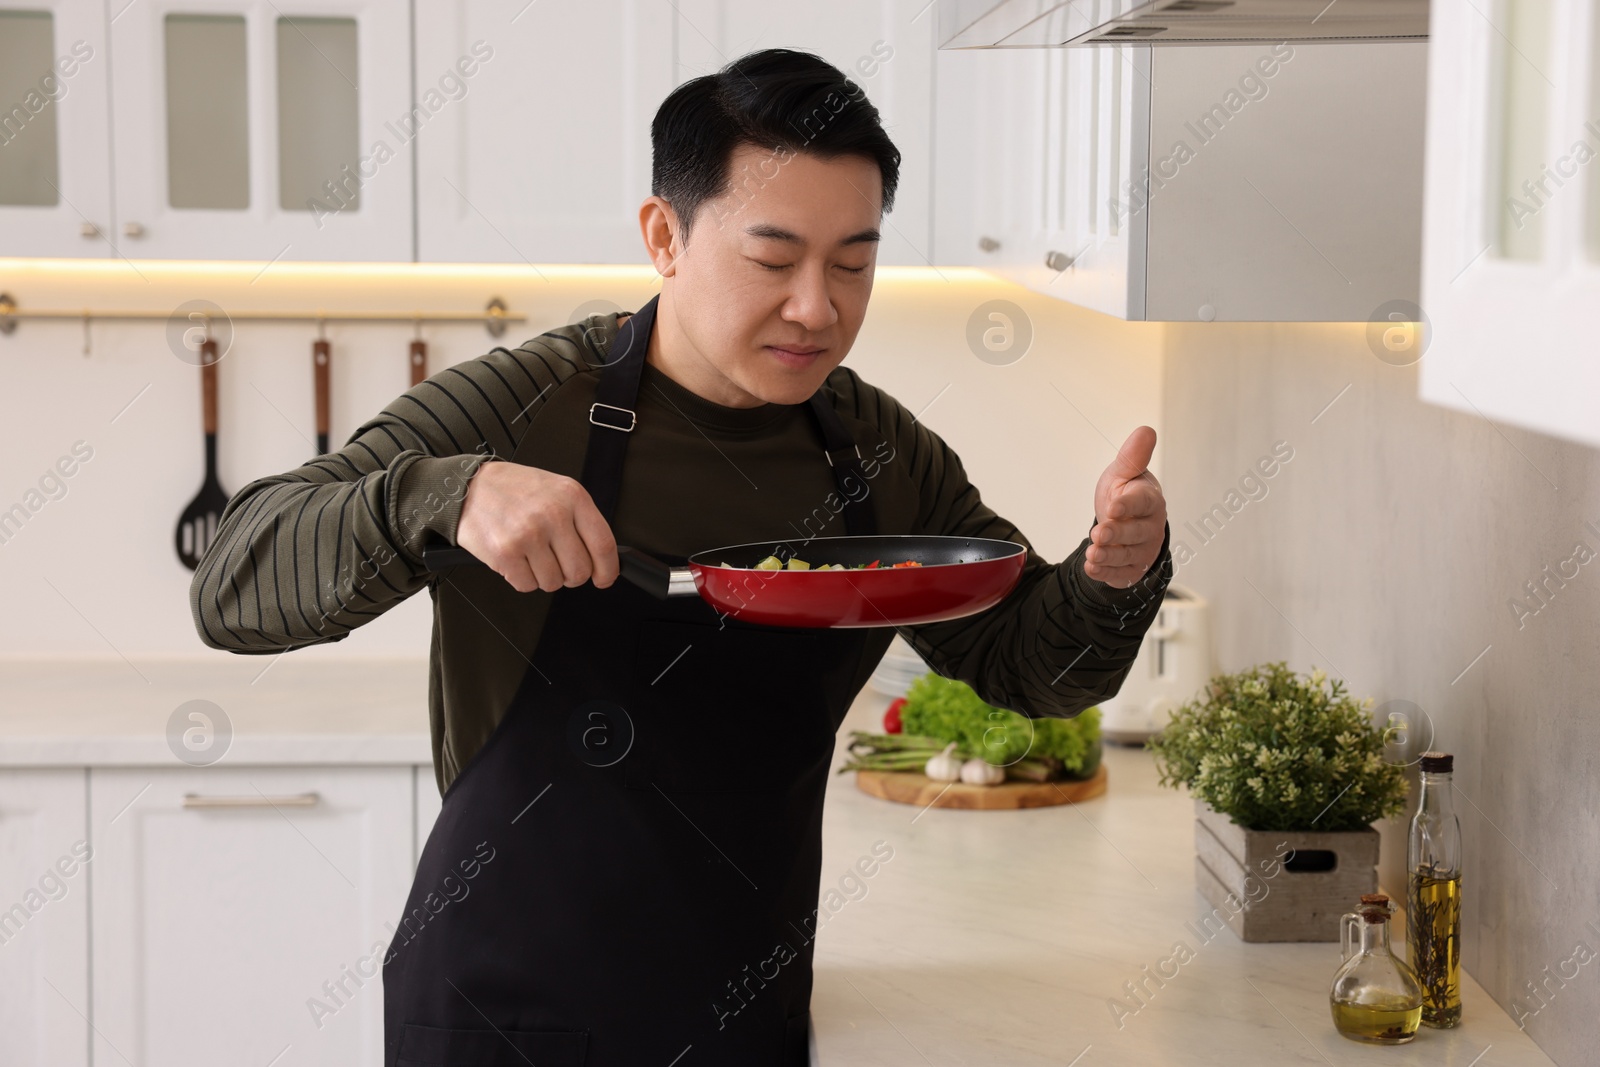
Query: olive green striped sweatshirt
x,y
304,557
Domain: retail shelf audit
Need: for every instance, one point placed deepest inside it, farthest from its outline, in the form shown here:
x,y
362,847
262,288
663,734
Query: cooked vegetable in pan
x,y
773,563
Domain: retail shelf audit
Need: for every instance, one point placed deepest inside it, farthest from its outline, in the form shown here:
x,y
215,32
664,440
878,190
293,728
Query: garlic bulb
x,y
944,767
981,772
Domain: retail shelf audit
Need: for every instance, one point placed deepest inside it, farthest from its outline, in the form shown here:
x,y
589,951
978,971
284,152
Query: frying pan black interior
x,y
849,551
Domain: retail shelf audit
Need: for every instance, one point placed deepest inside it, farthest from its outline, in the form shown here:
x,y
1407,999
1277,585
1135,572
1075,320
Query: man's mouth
x,y
795,355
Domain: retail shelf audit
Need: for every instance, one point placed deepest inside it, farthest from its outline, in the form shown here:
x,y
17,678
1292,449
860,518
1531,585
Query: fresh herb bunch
x,y
1275,750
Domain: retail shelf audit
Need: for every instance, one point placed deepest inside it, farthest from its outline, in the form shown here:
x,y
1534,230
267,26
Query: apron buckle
x,y
632,418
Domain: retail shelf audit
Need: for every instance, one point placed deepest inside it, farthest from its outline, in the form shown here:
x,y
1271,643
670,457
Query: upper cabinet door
x,y
249,131
1511,232
534,144
884,47
45,860
1036,148
55,173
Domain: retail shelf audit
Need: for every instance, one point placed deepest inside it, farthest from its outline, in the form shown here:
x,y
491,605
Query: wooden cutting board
x,y
914,787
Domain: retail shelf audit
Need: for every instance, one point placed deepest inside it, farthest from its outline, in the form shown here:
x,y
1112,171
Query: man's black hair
x,y
778,99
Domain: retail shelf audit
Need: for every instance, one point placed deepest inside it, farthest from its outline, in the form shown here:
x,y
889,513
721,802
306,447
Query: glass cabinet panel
x,y
29,164
208,144
1522,99
318,150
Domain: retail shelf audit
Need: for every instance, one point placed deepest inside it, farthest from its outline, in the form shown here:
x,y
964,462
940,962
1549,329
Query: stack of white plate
x,y
899,667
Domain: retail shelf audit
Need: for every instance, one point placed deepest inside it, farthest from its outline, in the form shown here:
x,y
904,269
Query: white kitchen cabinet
x,y
248,924
246,131
1032,144
1239,183
537,145
1511,261
885,47
45,860
55,169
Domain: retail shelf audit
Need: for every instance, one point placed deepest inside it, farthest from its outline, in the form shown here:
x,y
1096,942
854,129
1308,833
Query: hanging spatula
x,y
197,526
319,362
419,361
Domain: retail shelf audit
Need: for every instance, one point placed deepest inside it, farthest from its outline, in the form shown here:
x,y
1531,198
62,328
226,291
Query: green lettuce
x,y
949,710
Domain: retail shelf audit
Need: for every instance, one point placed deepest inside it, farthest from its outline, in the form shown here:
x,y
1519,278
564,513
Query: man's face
x,y
773,284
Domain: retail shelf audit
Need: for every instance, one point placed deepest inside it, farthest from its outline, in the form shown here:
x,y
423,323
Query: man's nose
x,y
810,304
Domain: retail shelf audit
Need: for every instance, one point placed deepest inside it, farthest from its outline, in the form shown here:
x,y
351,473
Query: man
x,y
626,866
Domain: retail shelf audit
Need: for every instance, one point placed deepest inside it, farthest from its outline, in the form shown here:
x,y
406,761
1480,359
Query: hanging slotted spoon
x,y
197,526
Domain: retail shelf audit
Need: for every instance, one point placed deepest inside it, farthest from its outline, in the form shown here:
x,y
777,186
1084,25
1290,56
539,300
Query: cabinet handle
x,y
1057,260
133,229
297,800
89,229
988,244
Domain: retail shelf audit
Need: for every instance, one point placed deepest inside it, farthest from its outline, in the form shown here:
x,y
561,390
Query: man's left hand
x,y
1130,515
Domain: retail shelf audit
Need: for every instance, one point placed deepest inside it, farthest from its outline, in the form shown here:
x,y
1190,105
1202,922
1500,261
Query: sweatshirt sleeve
x,y
1060,642
304,557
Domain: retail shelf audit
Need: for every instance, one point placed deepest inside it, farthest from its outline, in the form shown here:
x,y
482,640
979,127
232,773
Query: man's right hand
x,y
536,529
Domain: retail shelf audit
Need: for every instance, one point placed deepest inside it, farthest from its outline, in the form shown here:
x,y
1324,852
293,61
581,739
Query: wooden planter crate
x,y
1261,899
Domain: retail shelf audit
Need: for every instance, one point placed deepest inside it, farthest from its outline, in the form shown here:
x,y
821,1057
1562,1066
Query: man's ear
x,y
658,225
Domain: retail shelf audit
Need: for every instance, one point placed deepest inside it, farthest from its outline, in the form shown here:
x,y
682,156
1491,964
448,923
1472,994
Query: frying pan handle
x,y
436,558
653,576
643,570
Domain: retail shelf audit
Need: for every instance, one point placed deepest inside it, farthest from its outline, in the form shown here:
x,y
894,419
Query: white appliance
x,y
1174,663
1271,182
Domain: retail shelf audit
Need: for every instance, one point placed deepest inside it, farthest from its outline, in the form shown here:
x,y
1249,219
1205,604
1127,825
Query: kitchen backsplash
x,y
104,450
1444,566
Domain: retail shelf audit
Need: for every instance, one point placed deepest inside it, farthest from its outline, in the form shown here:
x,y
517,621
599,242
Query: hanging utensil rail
x,y
494,316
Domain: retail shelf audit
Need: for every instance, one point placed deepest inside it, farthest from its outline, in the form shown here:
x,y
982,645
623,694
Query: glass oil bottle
x,y
1375,996
1433,896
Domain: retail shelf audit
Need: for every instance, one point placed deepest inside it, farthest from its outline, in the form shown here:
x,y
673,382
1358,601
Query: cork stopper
x,y
1437,762
1375,907
1375,898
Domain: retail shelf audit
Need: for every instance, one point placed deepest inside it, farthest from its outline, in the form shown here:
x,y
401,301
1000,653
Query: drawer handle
x,y
298,800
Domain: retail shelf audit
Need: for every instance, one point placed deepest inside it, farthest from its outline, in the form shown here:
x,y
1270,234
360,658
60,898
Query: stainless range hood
x,y
1059,23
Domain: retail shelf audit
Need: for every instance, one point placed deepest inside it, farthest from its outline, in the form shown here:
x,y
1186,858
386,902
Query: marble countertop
x,y
984,938
280,709
1004,937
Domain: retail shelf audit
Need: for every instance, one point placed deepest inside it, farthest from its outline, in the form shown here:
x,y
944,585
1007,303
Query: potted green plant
x,y
1288,774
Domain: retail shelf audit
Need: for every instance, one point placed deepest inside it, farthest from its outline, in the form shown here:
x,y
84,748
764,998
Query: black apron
x,y
627,873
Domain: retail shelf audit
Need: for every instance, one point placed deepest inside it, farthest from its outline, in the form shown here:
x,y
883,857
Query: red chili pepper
x,y
908,563
871,565
891,718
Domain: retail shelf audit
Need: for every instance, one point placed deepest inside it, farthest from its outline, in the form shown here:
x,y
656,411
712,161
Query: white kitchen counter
x,y
1000,937
988,938
282,709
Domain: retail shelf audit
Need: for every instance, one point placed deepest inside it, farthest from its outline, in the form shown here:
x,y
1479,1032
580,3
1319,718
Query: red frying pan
x,y
957,576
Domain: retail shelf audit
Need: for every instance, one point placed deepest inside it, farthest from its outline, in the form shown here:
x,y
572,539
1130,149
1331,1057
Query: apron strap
x,y
613,411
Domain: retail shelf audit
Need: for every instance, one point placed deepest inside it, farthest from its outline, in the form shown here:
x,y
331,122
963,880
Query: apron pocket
x,y
434,1046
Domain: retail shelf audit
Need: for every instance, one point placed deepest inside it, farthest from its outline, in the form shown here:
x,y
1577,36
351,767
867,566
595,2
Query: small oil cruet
x,y
1375,996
